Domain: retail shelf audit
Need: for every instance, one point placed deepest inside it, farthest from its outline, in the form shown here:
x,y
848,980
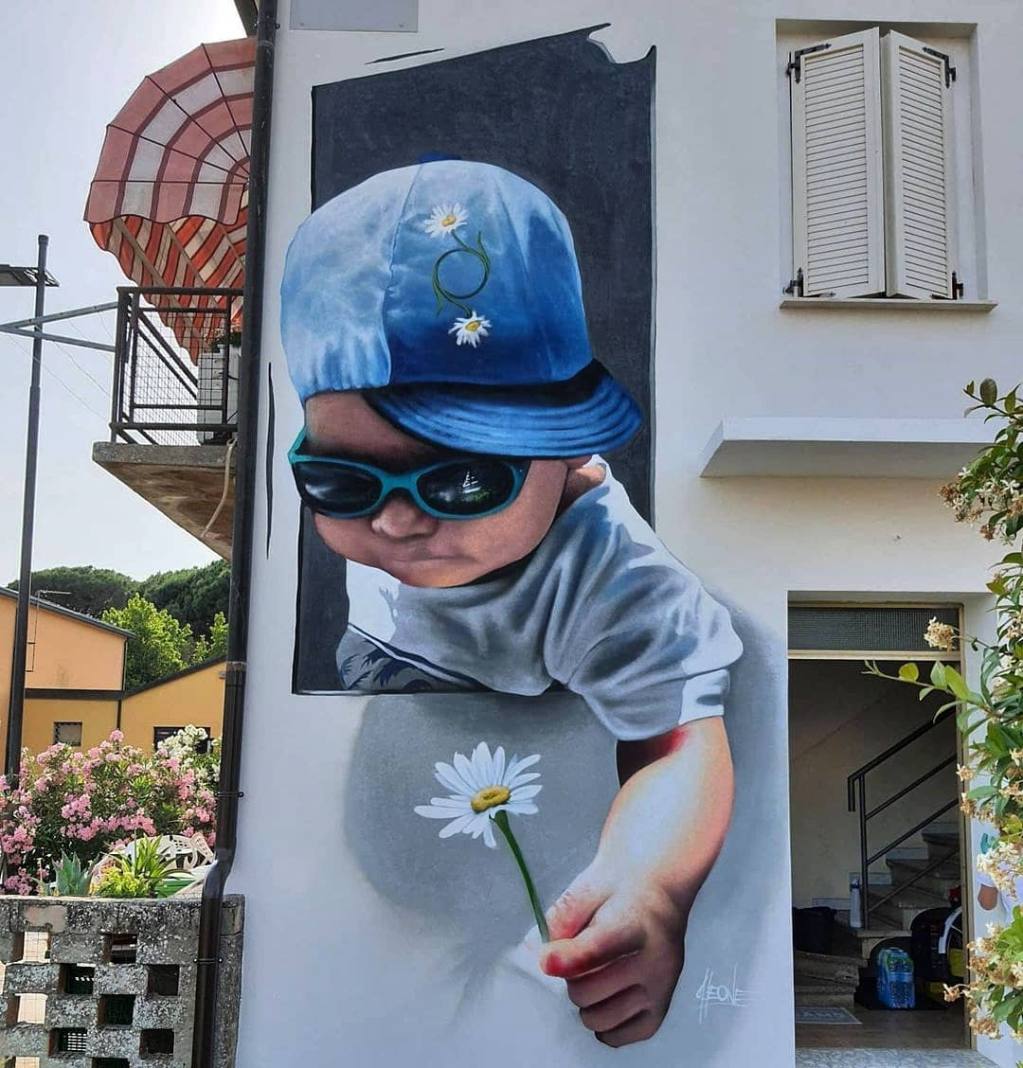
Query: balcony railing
x,y
175,366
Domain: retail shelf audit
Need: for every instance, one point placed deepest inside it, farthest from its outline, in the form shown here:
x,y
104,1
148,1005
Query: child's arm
x,y
618,932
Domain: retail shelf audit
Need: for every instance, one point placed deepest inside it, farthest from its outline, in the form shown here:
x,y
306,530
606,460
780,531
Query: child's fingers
x,y
642,1026
605,982
595,947
614,1011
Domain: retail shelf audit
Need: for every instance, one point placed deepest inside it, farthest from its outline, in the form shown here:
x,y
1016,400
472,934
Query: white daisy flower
x,y
445,218
471,331
481,788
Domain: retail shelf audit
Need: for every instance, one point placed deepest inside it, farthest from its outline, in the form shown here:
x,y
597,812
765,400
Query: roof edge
x,y
191,670
60,610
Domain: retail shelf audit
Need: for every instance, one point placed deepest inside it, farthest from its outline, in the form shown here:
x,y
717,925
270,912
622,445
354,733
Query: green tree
x,y
91,590
192,595
160,645
213,644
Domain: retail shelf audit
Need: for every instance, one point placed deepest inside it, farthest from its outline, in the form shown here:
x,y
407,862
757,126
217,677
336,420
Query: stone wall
x,y
108,983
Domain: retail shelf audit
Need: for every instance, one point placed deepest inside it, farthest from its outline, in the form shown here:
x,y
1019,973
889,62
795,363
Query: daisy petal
x,y
517,765
484,764
521,780
447,776
488,835
522,808
523,793
468,773
499,764
455,826
431,813
434,813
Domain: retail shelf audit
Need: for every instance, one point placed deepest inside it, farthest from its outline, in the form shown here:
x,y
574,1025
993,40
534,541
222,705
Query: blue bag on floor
x,y
895,979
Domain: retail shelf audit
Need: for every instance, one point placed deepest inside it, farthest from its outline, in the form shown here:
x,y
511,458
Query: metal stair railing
x,y
856,785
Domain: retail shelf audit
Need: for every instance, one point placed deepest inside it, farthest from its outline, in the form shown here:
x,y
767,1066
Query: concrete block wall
x,y
109,983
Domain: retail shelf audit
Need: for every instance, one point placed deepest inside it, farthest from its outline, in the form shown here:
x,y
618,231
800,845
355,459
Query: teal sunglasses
x,y
462,487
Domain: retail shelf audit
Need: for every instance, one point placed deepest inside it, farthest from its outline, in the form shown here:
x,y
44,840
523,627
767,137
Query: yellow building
x,y
194,696
74,684
74,674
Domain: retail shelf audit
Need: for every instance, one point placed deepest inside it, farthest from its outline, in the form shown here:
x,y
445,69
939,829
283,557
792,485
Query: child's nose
x,y
399,517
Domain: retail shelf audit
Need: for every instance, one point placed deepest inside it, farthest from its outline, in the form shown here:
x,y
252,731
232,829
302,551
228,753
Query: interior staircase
x,y
932,869
891,915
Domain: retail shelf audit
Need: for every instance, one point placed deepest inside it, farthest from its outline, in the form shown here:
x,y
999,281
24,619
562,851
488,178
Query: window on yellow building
x,y
67,733
161,734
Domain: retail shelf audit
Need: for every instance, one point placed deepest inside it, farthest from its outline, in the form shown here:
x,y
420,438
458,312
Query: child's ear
x,y
575,462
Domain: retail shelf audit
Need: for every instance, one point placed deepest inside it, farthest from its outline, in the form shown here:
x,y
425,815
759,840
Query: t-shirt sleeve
x,y
638,637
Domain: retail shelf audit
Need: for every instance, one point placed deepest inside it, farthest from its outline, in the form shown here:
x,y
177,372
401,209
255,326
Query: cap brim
x,y
588,413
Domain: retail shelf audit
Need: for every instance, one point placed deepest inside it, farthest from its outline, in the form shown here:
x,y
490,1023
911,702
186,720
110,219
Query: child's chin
x,y
432,574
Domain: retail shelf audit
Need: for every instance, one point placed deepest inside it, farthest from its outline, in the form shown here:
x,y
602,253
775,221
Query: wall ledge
x,y
813,447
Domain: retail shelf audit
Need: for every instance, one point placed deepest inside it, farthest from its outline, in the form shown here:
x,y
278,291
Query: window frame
x,y
57,724
959,41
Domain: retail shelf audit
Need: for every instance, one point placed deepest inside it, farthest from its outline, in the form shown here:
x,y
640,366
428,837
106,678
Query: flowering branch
x,y
990,491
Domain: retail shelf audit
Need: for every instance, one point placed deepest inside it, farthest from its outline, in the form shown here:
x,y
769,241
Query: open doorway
x,y
876,833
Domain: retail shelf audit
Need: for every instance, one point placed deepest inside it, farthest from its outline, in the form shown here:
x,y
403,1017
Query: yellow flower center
x,y
449,220
489,797
471,328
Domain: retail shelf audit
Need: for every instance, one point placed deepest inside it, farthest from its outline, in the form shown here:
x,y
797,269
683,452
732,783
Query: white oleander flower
x,y
471,331
480,789
444,219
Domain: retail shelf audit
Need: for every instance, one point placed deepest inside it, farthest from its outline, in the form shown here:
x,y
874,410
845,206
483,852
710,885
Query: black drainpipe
x,y
208,960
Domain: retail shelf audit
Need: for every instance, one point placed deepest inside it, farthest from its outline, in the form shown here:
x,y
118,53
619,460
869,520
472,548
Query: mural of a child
x,y
433,323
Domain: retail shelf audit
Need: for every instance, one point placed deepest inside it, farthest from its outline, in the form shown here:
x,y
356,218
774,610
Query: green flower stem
x,y
501,819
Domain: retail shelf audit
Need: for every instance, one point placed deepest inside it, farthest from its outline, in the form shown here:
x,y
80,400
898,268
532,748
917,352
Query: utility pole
x,y
16,708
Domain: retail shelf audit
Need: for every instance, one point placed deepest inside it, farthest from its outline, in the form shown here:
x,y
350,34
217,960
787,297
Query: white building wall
x,y
724,349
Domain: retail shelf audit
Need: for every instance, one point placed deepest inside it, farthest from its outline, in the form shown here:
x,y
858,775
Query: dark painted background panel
x,y
561,114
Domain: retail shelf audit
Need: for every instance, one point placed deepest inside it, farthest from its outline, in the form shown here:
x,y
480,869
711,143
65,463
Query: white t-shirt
x,y
600,608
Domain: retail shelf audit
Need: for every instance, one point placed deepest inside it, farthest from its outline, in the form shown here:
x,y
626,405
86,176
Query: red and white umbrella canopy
x,y
170,194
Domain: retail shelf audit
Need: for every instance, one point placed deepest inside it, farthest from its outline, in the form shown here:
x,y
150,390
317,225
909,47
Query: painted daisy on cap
x,y
444,219
480,789
471,330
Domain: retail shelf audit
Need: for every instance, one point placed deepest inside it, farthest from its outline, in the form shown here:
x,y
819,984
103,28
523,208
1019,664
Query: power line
x,y
99,385
85,404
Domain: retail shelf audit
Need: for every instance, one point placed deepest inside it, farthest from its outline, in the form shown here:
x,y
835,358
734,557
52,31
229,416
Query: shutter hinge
x,y
795,286
957,287
950,71
796,59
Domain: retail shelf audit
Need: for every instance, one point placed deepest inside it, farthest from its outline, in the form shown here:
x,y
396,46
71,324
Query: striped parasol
x,y
170,195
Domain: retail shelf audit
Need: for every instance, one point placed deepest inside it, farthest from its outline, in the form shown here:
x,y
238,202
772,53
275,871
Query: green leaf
x,y
982,793
971,389
989,391
909,672
956,684
938,675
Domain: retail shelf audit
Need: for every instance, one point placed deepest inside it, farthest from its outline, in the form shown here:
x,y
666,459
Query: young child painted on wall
x,y
433,323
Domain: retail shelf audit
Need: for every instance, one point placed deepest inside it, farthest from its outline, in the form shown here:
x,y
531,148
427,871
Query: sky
x,y
68,68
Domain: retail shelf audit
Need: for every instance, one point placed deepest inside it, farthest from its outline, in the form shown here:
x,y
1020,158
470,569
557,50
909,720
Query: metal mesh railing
x,y
162,397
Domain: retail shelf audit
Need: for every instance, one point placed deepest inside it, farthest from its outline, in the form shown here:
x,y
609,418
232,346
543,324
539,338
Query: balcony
x,y
174,409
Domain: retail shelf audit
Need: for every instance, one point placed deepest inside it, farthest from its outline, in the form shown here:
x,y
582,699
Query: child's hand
x,y
620,948
618,932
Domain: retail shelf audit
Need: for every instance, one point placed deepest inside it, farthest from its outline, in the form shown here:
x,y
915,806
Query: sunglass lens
x,y
333,489
468,487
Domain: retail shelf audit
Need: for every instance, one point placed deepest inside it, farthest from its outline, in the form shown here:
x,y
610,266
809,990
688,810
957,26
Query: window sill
x,y
901,304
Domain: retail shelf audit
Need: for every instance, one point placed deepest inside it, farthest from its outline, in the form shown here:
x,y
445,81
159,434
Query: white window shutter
x,y
837,167
919,216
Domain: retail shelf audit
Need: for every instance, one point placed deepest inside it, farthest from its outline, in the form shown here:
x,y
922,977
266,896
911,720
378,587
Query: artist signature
x,y
712,993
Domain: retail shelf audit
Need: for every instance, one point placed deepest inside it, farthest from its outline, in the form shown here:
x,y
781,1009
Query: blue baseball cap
x,y
449,293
